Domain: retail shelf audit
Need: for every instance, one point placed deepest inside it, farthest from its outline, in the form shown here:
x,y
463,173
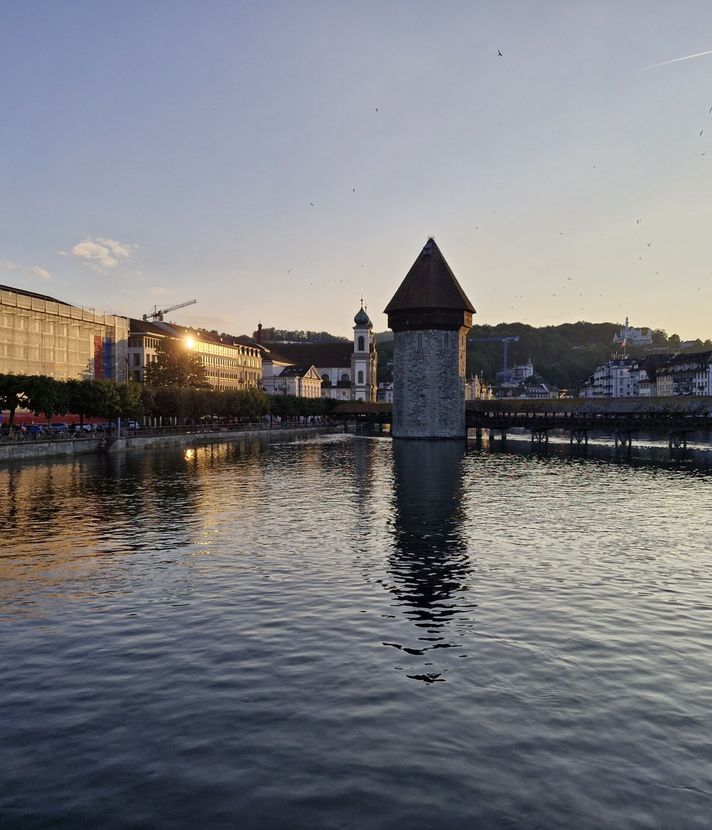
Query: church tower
x,y
363,359
430,316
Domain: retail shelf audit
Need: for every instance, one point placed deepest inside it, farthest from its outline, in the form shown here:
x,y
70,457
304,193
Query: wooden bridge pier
x,y
678,441
540,436
624,439
579,436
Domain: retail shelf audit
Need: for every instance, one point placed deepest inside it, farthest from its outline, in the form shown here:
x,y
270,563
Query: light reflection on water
x,y
350,632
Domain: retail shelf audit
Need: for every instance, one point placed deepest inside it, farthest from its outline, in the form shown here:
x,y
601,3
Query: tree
x,y
130,403
176,366
46,396
12,395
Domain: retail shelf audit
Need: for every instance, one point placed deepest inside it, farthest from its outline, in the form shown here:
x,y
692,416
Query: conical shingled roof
x,y
430,284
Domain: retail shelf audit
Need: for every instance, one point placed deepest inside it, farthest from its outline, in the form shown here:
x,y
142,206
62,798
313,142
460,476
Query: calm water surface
x,y
343,632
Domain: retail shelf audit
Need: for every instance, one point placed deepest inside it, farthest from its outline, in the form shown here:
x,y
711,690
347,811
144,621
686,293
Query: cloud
x,y
102,254
35,271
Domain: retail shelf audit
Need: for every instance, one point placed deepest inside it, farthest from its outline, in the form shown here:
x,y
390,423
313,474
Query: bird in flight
x,y
500,54
311,203
701,131
376,108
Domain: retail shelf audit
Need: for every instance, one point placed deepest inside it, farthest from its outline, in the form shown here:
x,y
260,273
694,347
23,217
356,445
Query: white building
x,y
347,369
613,379
516,374
299,381
363,360
629,337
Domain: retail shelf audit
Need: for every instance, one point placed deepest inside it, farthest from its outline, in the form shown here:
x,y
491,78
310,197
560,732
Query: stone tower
x,y
430,316
363,359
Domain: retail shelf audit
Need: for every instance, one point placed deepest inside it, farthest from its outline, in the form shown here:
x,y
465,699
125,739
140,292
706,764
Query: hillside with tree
x,y
564,355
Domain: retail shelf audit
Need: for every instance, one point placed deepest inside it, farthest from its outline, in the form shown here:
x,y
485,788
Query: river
x,y
348,632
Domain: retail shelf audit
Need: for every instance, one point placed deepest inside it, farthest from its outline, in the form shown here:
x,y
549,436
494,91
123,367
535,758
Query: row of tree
x,y
44,396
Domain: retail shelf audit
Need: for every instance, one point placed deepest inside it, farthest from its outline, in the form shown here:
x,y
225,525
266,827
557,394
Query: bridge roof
x,y
430,283
689,405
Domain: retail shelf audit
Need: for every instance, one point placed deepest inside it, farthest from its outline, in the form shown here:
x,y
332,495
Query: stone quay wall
x,y
11,451
429,384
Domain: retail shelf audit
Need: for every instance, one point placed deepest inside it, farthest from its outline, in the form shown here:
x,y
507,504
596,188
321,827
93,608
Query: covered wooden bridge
x,y
622,418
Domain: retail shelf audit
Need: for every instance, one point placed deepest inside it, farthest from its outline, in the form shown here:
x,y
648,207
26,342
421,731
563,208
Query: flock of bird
x,y
561,233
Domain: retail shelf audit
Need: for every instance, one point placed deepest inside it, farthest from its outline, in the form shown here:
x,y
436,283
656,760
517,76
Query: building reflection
x,y
429,565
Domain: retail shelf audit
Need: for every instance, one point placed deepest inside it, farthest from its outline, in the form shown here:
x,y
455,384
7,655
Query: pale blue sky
x,y
151,152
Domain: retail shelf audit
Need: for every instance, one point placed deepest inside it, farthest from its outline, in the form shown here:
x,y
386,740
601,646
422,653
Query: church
x,y
347,369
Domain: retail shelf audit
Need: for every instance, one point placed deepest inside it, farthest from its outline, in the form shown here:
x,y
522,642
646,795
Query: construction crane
x,y
505,341
157,313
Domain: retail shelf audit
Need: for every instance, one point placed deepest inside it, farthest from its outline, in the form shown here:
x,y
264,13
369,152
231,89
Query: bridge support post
x,y
580,436
678,440
540,436
624,439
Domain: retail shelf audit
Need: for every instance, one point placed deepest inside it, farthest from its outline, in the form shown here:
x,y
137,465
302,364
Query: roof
x,y
295,371
201,335
362,318
429,284
322,355
32,294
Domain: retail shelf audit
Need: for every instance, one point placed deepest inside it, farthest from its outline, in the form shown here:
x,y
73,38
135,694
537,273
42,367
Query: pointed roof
x,y
430,284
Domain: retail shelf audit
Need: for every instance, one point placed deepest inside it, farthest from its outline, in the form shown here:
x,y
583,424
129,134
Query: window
x,y
360,343
360,376
137,359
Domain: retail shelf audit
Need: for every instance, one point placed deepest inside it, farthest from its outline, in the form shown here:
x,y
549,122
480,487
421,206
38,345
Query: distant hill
x,y
273,335
564,355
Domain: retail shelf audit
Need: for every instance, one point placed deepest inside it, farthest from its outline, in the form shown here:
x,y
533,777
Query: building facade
x,y
630,337
40,335
231,363
300,381
347,369
363,360
430,316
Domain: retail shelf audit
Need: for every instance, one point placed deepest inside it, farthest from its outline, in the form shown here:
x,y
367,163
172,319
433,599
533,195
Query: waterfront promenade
x,y
82,443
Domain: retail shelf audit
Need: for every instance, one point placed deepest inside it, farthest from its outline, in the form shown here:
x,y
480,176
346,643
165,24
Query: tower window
x,y
360,376
360,343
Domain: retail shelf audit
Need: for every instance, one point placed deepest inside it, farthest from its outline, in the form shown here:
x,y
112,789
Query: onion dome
x,y
361,318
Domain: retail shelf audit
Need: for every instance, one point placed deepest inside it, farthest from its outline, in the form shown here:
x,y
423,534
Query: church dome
x,y
361,318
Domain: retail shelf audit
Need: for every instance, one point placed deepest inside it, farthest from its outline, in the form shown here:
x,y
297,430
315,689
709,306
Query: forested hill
x,y
564,355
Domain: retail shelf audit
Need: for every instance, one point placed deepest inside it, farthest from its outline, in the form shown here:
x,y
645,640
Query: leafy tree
x,y
46,396
130,403
176,366
13,395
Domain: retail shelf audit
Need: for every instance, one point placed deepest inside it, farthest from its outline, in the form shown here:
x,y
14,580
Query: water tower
x,y
430,316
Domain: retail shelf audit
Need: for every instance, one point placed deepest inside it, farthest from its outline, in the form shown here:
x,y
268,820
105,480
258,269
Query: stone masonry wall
x,y
429,384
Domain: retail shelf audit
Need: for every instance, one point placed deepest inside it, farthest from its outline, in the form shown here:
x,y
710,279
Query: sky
x,y
277,160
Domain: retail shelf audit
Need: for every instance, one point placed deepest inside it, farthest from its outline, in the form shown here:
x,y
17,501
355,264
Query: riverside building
x,y
40,335
230,362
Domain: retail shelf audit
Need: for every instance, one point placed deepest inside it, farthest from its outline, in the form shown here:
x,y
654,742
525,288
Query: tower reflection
x,y
429,565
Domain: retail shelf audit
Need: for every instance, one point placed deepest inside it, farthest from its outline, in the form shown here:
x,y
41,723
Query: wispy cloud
x,y
101,254
675,60
34,271
42,273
